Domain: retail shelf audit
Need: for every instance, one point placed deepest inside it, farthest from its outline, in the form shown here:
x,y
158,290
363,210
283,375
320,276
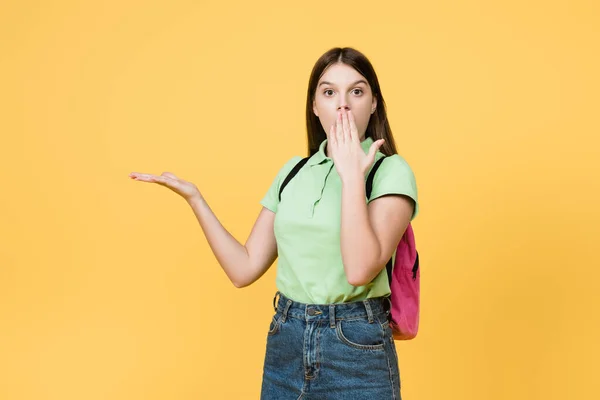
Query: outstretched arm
x,y
243,264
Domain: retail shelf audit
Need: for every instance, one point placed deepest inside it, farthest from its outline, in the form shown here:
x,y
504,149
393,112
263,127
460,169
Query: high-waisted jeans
x,y
330,352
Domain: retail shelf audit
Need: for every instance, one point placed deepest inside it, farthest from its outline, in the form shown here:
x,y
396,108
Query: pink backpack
x,y
404,275
405,288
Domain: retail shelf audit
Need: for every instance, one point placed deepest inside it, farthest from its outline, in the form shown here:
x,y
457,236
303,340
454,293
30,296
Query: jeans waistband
x,y
368,309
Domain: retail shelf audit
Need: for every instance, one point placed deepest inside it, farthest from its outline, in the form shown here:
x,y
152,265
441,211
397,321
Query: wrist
x,y
353,178
195,200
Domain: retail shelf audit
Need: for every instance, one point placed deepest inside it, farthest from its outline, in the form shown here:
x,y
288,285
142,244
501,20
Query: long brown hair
x,y
378,127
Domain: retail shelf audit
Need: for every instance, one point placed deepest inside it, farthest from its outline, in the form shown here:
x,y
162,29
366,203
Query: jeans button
x,y
311,311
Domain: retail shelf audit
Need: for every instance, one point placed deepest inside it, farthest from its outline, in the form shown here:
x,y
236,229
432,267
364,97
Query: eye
x,y
360,90
328,90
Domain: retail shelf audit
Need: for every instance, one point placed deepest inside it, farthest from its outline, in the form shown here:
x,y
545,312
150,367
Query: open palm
x,y
185,189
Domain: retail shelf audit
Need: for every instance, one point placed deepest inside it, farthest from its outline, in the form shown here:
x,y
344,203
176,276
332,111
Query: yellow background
x,y
108,289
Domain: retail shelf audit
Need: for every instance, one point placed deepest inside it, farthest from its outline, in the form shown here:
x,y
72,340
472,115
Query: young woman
x,y
330,336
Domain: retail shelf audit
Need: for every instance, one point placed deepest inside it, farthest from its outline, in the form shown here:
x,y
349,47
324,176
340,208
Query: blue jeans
x,y
330,352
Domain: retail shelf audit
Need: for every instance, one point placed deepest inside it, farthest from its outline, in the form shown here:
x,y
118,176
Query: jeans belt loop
x,y
369,311
332,316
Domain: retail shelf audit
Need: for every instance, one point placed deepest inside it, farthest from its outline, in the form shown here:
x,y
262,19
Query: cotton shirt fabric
x,y
308,221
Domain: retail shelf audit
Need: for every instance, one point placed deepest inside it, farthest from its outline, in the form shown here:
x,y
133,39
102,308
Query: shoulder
x,y
290,163
395,176
285,170
395,167
271,198
288,166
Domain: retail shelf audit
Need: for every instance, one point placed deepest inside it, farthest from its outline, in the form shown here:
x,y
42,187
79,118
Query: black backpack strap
x,y
371,176
389,268
292,173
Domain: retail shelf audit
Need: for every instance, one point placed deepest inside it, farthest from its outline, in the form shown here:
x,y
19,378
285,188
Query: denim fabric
x,y
330,352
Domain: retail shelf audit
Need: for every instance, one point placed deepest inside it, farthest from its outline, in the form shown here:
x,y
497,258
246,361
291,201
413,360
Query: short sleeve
x,y
395,176
271,198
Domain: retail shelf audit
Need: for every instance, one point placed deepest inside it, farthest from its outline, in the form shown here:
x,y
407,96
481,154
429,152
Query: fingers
x,y
344,129
346,126
339,129
167,179
332,134
140,177
352,126
163,179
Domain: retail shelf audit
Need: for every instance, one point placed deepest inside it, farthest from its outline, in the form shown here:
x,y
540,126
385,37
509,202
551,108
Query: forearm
x,y
359,245
229,252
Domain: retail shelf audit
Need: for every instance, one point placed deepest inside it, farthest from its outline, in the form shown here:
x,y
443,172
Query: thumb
x,y
375,147
169,175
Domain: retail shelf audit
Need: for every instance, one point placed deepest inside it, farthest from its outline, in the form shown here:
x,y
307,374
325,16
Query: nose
x,y
343,103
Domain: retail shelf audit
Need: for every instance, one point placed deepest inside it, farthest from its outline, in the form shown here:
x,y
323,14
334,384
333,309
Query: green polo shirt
x,y
307,227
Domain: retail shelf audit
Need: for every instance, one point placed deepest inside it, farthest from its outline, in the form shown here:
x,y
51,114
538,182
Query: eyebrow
x,y
331,84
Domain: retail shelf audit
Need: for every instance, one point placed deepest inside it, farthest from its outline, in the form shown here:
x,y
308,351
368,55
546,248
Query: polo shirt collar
x,y
320,156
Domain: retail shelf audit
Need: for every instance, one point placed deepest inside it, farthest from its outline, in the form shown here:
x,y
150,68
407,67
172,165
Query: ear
x,y
315,108
374,104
